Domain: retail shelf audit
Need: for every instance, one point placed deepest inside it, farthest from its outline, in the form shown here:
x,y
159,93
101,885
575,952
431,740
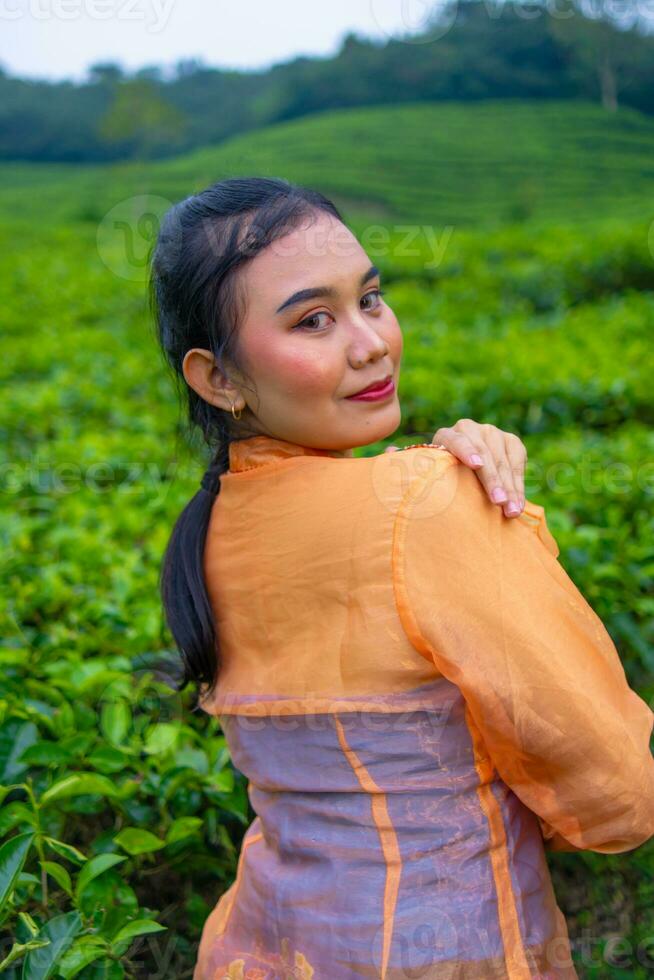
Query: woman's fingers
x,y
503,458
514,465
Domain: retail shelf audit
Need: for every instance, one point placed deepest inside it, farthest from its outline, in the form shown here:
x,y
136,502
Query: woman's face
x,y
305,354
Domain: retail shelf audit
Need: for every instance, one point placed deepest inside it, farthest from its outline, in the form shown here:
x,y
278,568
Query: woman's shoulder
x,y
429,482
413,474
399,469
386,478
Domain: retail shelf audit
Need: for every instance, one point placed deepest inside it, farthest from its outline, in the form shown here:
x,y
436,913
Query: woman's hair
x,y
195,300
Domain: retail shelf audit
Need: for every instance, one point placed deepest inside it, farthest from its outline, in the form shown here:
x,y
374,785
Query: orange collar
x,y
246,454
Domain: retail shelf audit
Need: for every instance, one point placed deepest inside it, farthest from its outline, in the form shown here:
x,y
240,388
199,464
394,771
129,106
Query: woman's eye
x,y
378,293
308,320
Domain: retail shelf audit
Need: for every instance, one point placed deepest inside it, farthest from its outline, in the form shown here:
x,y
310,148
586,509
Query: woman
x,y
418,694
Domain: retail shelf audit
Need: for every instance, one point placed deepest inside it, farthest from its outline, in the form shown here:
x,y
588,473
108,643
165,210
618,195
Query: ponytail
x,y
183,589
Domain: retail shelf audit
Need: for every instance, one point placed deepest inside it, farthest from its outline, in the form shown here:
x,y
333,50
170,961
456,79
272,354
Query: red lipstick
x,y
376,392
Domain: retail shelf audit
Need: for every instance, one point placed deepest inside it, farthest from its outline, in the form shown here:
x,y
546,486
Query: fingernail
x,y
512,508
476,459
498,495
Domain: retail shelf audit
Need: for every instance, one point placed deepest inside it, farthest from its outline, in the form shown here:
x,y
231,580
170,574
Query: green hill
x,y
452,163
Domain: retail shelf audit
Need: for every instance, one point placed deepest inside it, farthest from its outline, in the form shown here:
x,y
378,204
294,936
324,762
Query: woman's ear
x,y
203,374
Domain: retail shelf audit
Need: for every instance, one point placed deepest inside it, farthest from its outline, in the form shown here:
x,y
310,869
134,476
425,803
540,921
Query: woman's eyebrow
x,y
304,294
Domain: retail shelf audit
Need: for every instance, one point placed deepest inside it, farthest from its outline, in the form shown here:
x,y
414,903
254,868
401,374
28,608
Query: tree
x,y
187,67
139,117
105,73
597,48
151,73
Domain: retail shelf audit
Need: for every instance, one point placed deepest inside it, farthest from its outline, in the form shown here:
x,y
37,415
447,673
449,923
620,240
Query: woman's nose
x,y
367,343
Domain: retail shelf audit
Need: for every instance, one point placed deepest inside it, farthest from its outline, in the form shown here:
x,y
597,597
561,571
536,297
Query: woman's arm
x,y
497,457
489,603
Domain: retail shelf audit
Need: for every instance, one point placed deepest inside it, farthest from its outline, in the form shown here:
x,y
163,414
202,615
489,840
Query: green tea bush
x,y
121,813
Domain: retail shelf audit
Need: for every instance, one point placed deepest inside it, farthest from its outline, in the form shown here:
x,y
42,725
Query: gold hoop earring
x,y
237,417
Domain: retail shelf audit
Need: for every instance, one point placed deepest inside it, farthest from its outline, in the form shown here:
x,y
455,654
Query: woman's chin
x,y
378,424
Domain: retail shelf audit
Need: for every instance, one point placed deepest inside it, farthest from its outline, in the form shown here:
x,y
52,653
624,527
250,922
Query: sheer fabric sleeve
x,y
488,601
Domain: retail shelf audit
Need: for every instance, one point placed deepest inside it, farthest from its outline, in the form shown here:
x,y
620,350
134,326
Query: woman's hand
x,y
497,457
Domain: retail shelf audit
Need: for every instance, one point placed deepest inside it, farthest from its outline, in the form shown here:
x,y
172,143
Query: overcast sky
x,y
61,38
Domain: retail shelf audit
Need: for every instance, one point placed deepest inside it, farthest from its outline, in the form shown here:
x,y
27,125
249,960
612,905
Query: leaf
x,y
137,841
60,875
222,782
139,927
61,931
12,858
107,759
93,868
45,753
79,784
196,759
29,923
115,721
85,950
27,878
15,737
14,813
66,850
161,738
78,744
183,827
64,719
19,949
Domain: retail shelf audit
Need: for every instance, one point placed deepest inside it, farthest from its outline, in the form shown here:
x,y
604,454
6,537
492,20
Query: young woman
x,y
421,699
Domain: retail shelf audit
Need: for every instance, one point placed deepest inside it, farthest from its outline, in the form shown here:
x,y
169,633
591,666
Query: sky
x,y
58,39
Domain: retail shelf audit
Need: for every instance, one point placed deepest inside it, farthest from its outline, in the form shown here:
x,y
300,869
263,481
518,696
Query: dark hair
x,y
195,301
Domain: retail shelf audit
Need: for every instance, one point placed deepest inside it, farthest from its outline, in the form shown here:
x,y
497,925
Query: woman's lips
x,y
376,395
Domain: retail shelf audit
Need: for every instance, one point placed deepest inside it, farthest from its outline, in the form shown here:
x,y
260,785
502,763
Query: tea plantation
x,y
526,301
